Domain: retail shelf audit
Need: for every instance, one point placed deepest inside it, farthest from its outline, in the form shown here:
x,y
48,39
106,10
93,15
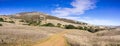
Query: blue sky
x,y
98,12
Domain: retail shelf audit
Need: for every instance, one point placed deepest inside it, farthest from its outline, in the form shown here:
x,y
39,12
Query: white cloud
x,y
79,7
98,21
94,21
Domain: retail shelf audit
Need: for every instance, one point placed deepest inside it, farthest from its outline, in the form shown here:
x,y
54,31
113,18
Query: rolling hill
x,y
15,31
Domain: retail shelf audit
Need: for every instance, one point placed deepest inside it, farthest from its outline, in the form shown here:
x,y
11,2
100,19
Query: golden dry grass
x,y
22,35
14,35
83,38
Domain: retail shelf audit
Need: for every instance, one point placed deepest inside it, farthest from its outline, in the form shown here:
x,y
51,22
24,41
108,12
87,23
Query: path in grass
x,y
55,40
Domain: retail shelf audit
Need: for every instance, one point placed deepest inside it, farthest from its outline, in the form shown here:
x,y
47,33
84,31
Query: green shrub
x,y
49,24
70,27
81,28
10,21
35,23
21,21
1,20
93,30
85,28
59,25
1,25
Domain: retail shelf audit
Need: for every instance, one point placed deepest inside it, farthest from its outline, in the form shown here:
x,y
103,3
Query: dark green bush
x,y
49,24
1,20
81,28
21,20
1,25
70,27
86,28
59,25
10,21
93,30
35,23
89,29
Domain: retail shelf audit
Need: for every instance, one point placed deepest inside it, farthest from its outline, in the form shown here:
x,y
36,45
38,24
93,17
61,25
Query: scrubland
x,y
23,35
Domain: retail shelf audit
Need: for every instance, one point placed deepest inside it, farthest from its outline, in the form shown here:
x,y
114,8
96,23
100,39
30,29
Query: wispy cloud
x,y
98,21
79,7
94,21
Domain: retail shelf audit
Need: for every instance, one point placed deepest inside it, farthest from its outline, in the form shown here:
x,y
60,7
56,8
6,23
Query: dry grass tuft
x,y
83,38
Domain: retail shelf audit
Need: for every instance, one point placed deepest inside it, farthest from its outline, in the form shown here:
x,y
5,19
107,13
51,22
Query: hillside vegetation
x,y
34,29
40,19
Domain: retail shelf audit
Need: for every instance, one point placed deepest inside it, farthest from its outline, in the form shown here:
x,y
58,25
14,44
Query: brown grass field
x,y
23,35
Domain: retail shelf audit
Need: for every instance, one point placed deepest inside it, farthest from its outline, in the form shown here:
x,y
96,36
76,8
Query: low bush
x,y
70,27
81,28
86,28
1,20
10,21
93,30
59,25
21,21
35,23
48,24
90,29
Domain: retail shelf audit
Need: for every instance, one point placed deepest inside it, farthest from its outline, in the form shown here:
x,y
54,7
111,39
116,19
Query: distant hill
x,y
25,15
37,18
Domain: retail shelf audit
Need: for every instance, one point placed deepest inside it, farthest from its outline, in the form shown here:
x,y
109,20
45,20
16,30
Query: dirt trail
x,y
55,40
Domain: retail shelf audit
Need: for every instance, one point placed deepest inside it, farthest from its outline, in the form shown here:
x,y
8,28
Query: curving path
x,y
55,40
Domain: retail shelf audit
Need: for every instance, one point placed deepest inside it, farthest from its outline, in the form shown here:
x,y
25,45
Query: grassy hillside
x,y
23,35
41,19
75,33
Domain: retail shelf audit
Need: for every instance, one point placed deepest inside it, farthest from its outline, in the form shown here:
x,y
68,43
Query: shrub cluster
x,y
81,28
90,29
70,27
1,20
49,24
21,21
10,21
59,25
34,23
